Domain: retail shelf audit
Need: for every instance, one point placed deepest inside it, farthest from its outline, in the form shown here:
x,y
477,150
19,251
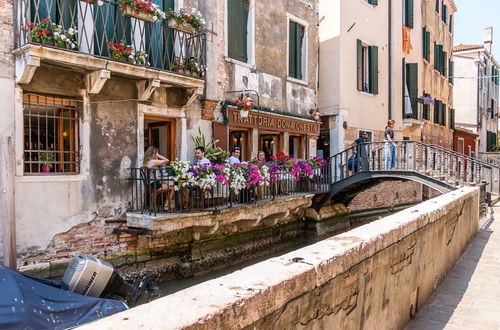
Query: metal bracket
x,y
26,67
96,79
192,93
146,88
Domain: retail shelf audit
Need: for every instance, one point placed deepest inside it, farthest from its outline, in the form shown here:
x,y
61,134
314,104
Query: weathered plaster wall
x,y
381,271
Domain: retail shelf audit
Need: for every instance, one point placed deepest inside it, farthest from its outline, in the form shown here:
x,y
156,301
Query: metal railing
x,y
97,28
430,160
154,191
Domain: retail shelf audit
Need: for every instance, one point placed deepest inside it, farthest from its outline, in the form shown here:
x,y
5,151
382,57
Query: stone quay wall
x,y
384,270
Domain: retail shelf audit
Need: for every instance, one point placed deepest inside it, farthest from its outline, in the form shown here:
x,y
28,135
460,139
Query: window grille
x,y
50,135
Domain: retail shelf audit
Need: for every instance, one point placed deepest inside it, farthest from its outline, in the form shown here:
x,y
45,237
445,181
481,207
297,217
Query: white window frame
x,y
304,50
250,37
462,149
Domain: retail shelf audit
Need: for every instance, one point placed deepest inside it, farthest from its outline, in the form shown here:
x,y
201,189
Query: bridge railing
x,y
429,160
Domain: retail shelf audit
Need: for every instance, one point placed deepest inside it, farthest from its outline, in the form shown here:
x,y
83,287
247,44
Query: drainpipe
x,y
389,4
7,202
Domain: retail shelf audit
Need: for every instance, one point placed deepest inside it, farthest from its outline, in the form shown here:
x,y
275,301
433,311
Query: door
x,y
270,144
160,132
240,139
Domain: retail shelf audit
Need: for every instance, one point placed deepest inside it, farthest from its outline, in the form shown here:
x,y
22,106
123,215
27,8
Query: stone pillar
x,y
254,143
285,143
183,154
7,137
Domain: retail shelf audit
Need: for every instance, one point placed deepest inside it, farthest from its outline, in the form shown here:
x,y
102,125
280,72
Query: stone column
x,y
285,143
7,137
254,143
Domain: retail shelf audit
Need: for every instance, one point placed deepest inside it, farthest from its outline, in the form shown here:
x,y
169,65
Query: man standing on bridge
x,y
361,151
389,146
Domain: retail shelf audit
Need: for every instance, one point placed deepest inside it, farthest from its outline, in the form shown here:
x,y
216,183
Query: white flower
x,y
56,33
71,31
100,3
155,18
63,37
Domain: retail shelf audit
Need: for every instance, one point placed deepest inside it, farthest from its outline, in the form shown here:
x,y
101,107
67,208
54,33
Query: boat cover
x,y
28,302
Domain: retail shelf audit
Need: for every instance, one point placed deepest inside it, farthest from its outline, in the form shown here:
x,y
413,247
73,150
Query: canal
x,y
314,231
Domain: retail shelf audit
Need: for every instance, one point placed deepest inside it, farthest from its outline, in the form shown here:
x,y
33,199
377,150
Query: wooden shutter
x,y
426,37
442,113
373,60
451,73
295,42
409,13
438,4
412,83
426,108
436,57
237,17
67,13
437,108
41,9
451,118
444,14
374,2
451,23
359,64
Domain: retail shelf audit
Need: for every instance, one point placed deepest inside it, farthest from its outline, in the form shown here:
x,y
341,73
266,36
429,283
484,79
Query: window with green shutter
x,y
451,72
444,14
295,44
451,118
408,13
437,109
443,62
426,41
450,26
411,80
237,21
372,2
438,57
367,68
426,109
438,5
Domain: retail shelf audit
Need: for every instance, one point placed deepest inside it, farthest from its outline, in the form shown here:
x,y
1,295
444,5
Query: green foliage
x,y
213,153
47,158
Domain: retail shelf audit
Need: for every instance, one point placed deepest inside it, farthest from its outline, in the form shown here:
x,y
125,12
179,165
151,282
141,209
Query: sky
x,y
472,17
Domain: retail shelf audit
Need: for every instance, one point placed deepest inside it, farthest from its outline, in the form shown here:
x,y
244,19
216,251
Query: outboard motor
x,y
93,277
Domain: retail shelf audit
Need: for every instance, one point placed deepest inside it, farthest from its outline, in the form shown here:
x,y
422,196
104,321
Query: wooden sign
x,y
260,119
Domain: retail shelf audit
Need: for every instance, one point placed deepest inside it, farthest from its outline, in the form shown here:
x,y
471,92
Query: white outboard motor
x,y
93,277
87,275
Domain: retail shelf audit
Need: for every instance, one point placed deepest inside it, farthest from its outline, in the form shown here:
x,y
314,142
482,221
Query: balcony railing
x,y
101,28
155,191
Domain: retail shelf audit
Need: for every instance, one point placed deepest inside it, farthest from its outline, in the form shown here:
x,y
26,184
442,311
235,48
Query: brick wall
x,y
388,194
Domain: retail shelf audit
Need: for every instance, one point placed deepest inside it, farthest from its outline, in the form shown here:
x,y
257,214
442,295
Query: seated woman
x,y
153,159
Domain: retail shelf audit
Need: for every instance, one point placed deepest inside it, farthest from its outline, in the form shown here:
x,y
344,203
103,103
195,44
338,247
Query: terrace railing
x,y
101,23
154,191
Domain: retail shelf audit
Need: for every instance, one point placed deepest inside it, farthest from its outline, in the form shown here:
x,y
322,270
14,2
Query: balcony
x,y
104,37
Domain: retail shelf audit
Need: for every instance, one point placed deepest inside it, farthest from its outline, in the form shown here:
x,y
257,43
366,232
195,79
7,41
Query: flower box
x,y
141,16
181,26
244,113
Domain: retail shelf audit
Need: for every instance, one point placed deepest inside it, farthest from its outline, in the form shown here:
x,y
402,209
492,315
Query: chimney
x,y
488,38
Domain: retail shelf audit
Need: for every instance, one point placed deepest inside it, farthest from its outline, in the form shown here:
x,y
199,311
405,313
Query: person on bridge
x,y
389,146
361,152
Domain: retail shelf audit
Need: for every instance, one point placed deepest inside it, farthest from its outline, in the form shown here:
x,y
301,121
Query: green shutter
x,y
437,108
451,118
444,14
426,37
412,83
42,9
67,13
438,4
426,109
443,62
409,13
295,42
373,60
237,16
451,72
436,57
451,23
374,2
442,113
359,64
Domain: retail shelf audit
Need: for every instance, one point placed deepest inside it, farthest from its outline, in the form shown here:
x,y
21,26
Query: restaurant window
x,y
237,29
50,135
240,139
295,146
296,50
367,68
270,144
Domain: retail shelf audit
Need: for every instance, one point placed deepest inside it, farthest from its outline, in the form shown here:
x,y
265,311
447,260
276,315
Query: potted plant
x,y
195,68
41,32
244,106
120,51
144,10
215,154
46,160
65,39
184,22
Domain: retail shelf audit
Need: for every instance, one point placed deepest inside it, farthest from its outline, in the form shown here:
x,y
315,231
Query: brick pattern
x,y
208,108
388,194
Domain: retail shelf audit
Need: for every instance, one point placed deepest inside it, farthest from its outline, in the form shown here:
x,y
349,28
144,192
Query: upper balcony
x,y
106,37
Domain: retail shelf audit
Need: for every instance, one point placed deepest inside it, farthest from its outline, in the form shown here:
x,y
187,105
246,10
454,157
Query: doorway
x,y
160,132
239,139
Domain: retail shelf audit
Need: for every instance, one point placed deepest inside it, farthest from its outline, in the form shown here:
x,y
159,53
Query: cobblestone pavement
x,y
469,297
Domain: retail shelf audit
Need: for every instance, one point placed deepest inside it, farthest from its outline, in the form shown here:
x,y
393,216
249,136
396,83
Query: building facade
x,y
427,79
80,111
477,92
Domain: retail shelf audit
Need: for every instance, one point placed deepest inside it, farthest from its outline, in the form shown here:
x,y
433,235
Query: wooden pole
x,y
7,201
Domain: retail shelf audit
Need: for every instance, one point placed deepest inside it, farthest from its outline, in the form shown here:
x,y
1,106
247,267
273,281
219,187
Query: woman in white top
x,y
153,159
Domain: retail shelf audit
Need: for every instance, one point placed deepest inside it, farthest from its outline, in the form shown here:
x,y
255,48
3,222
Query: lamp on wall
x,y
315,114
